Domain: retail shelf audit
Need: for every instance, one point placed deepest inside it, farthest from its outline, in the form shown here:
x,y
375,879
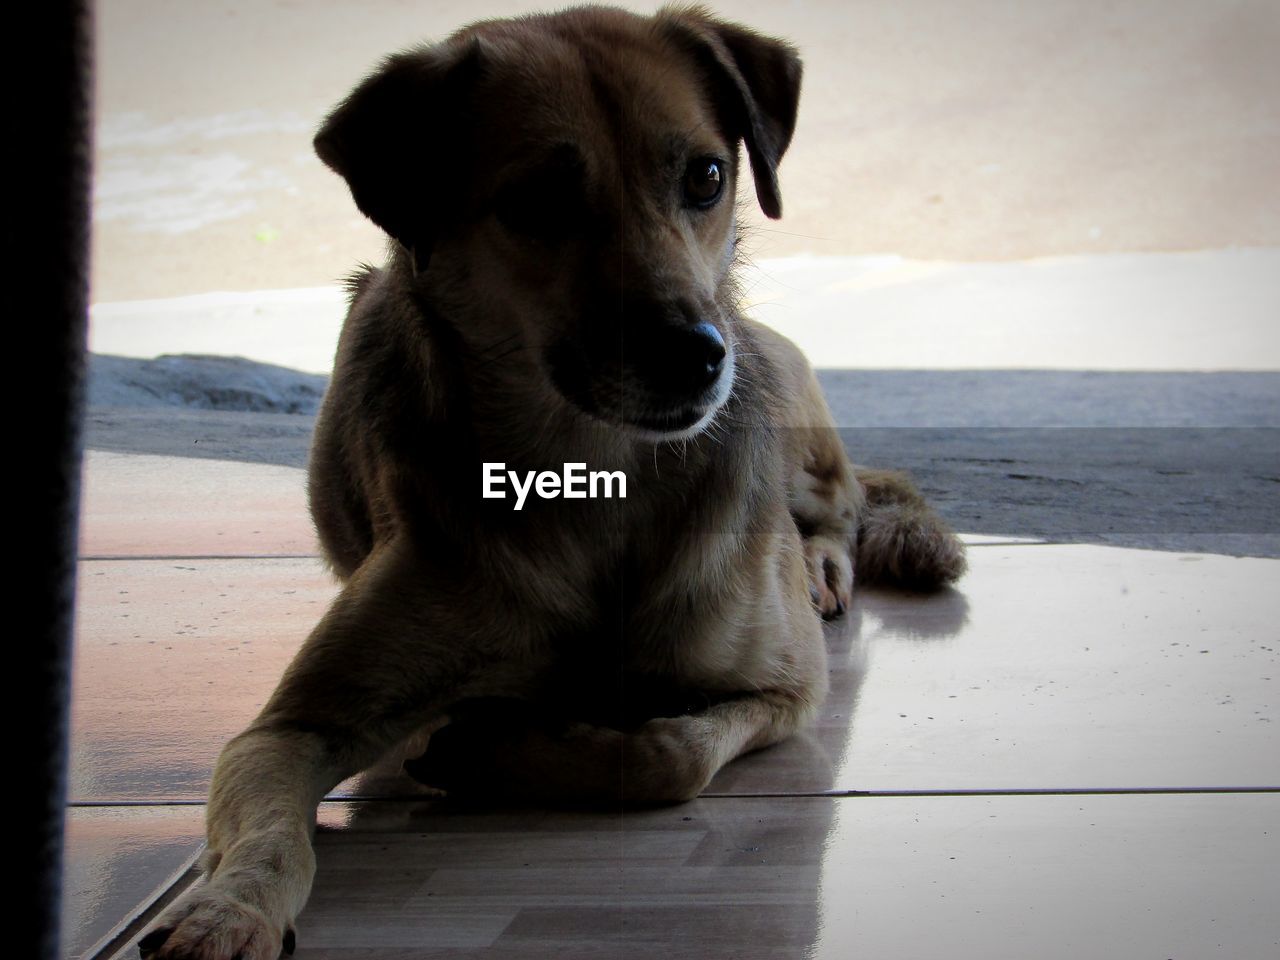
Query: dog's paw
x,y
830,569
210,924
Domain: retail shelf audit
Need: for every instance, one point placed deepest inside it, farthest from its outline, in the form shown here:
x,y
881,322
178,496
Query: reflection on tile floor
x,y
957,877
1052,667
117,859
172,658
150,506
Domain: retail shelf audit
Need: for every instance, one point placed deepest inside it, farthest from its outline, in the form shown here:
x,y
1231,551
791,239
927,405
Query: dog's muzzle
x,y
666,380
678,362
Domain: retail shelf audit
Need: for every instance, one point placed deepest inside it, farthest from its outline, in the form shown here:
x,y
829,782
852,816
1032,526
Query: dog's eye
x,y
703,182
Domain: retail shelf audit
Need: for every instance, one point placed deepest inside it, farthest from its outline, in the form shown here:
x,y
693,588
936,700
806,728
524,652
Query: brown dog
x,y
560,194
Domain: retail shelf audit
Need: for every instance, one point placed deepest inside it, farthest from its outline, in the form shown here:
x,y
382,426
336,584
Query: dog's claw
x,y
290,943
830,568
153,941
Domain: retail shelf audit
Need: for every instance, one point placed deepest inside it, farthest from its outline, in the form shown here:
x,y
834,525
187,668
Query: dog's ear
x,y
394,140
761,76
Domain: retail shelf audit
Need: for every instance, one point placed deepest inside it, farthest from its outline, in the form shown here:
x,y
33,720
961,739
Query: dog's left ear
x,y
394,140
761,76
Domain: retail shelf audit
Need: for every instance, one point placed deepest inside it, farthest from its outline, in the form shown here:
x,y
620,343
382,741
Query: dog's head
x,y
564,188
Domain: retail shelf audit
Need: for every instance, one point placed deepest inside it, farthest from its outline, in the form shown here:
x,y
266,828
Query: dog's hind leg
x,y
665,760
901,540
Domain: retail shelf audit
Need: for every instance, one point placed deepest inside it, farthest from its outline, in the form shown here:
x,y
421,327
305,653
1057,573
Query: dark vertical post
x,y
45,264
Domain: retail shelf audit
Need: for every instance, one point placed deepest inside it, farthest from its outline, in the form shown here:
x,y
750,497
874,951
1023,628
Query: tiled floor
x,y
1074,754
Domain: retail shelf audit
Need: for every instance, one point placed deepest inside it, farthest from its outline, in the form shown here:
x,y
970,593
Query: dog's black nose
x,y
704,353
679,360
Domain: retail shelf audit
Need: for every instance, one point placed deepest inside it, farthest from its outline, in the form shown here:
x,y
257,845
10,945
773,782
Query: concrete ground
x,y
1173,461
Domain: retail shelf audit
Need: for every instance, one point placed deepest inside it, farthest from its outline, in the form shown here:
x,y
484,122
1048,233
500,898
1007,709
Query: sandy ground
x,y
933,129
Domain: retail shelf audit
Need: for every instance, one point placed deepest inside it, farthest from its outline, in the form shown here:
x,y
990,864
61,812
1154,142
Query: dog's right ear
x,y
761,76
394,140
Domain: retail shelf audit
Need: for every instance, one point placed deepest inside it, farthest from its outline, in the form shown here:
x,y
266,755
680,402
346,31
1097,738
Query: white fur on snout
x,y
723,389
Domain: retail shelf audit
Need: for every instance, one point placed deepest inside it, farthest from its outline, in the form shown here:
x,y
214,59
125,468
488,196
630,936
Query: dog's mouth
x,y
672,399
654,423
671,422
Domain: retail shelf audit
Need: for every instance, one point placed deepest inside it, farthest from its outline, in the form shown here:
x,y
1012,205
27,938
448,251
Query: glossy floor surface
x,y
1076,753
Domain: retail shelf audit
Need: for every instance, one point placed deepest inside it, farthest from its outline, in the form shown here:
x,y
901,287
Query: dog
x,y
559,196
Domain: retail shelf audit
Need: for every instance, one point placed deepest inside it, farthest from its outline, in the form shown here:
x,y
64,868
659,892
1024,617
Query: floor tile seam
x,y
116,558
140,803
131,925
1000,792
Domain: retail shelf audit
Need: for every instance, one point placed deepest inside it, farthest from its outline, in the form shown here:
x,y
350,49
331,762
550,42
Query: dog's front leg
x,y
874,521
826,503
381,663
259,863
